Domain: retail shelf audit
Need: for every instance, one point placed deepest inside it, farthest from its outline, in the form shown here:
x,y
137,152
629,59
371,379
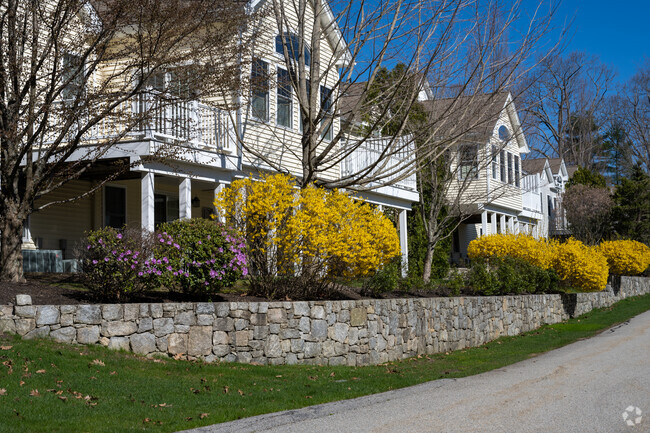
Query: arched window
x,y
504,133
293,46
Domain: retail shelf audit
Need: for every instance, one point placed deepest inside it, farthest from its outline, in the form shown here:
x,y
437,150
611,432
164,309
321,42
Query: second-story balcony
x,y
393,162
191,122
531,196
187,123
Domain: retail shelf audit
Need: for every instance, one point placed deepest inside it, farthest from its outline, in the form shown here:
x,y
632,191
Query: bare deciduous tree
x,y
588,211
563,107
335,80
72,70
631,112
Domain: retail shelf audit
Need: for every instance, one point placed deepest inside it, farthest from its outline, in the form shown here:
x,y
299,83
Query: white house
x,y
486,190
544,183
213,150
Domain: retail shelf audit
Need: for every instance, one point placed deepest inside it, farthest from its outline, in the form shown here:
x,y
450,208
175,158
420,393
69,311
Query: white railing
x,y
187,121
396,167
530,193
198,125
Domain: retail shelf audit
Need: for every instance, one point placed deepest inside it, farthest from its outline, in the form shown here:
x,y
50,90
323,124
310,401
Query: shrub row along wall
x,y
327,332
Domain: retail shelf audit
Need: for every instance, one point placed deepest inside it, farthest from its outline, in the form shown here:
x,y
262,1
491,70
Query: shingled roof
x,y
472,116
535,165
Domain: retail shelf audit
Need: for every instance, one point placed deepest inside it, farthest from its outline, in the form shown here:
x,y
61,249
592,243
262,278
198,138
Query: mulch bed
x,y
54,289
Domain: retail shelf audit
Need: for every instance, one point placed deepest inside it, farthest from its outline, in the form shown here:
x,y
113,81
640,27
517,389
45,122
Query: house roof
x,y
351,94
474,116
477,114
571,169
535,165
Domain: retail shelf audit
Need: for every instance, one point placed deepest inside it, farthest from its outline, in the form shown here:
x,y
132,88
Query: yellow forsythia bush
x,y
626,257
536,252
584,267
293,231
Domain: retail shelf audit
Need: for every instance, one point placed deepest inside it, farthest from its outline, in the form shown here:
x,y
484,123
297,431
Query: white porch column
x,y
511,224
493,223
403,242
484,223
503,223
185,199
516,224
220,187
28,242
147,209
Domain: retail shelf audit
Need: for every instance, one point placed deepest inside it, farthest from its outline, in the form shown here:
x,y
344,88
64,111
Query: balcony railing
x,y
199,125
531,200
395,168
187,121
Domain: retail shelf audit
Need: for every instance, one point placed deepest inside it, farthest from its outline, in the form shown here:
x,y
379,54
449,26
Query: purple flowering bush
x,y
197,256
114,262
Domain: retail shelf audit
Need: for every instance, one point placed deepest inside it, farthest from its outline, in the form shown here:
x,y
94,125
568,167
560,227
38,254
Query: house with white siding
x,y
487,189
544,184
216,147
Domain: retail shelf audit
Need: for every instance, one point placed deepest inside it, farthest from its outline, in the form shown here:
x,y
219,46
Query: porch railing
x,y
393,161
199,125
188,121
531,200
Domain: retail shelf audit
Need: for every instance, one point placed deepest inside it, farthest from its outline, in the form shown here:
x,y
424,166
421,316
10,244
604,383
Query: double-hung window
x,y
326,107
72,76
517,170
495,162
502,166
292,43
260,90
511,178
468,161
284,104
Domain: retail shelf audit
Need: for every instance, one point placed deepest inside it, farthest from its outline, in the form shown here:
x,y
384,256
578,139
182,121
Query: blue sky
x,y
617,31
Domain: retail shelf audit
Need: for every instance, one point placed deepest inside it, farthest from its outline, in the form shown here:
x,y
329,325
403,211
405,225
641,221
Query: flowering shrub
x,y
196,255
113,263
626,257
539,253
307,232
583,267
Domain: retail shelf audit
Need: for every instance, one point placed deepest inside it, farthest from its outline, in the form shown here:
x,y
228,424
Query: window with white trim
x,y
511,178
292,42
260,90
72,75
284,108
517,174
326,107
468,161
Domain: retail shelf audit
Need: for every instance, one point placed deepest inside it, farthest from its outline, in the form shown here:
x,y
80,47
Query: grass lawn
x,y
52,387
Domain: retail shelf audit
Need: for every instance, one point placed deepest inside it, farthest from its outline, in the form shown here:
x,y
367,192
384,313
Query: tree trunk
x,y
11,256
428,258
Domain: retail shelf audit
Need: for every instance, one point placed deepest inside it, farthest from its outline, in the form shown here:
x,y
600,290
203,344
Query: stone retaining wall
x,y
323,332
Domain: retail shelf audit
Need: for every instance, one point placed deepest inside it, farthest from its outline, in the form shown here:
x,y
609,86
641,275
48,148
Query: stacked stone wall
x,y
321,332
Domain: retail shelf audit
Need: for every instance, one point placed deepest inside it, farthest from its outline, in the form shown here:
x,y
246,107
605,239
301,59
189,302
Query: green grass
x,y
122,392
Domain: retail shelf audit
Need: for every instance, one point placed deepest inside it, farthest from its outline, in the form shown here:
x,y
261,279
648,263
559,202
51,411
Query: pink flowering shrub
x,y
114,262
197,256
